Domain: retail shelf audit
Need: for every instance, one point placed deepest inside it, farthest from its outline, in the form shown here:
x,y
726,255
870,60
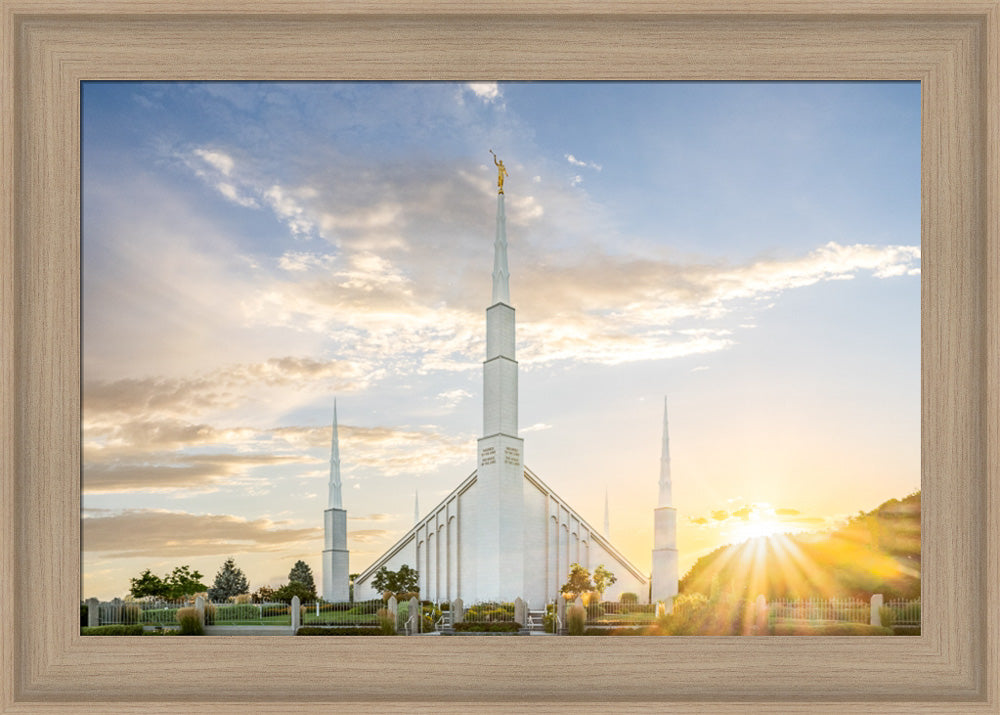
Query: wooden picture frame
x,y
49,47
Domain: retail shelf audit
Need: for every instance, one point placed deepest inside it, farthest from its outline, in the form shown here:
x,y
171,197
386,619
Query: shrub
x,y
209,613
190,623
430,615
490,611
487,627
386,623
576,617
887,616
112,631
332,607
342,631
235,612
84,618
628,597
242,598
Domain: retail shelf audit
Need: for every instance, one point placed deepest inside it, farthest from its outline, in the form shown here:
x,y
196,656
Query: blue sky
x,y
251,251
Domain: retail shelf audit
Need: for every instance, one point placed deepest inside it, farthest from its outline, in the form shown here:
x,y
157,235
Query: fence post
x,y
199,606
457,611
876,605
760,621
561,612
520,614
416,614
93,612
296,614
391,607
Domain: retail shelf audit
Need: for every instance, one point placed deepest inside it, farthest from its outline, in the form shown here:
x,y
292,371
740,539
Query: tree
x,y
292,589
407,579
149,584
402,581
301,573
579,581
602,579
229,581
182,582
263,594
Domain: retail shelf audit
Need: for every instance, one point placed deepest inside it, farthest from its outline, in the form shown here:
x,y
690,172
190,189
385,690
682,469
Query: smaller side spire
x,y
666,499
335,499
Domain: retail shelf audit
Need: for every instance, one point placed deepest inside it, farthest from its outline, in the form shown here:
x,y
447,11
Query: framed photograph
x,y
54,56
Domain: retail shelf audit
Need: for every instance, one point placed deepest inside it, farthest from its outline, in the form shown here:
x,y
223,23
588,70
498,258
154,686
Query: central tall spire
x,y
500,490
335,500
501,274
500,368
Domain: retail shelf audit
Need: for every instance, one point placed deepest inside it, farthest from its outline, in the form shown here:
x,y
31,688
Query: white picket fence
x,y
843,610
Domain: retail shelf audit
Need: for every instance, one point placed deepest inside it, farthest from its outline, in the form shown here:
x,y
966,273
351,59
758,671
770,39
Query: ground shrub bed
x,y
624,631
111,631
486,627
829,629
490,611
341,631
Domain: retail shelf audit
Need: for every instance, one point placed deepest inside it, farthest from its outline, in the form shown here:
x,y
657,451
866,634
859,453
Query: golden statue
x,y
501,171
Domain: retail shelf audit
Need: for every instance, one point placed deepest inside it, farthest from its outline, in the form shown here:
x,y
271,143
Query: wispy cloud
x,y
172,471
386,450
367,536
159,533
579,162
225,387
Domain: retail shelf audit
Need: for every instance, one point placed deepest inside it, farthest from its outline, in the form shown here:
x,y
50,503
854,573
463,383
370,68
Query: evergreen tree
x,y
303,574
229,581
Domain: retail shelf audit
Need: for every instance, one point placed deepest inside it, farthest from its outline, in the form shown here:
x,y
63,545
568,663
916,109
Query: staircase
x,y
536,621
443,624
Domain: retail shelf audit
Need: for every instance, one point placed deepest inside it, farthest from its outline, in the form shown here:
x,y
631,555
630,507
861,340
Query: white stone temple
x,y
502,533
336,584
664,577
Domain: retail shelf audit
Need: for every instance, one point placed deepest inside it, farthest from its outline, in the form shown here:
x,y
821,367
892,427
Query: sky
x,y
254,251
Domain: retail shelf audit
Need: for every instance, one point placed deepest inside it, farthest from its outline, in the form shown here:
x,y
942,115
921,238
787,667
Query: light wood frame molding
x,y
48,47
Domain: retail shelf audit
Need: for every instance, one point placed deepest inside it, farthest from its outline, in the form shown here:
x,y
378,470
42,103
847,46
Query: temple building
x,y
502,533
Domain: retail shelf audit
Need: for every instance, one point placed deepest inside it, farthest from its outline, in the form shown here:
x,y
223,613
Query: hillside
x,y
875,552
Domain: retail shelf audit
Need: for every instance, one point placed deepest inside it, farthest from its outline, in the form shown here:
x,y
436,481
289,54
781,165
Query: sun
x,y
761,520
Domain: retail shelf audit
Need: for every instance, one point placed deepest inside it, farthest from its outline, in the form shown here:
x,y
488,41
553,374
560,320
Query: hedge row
x,y
624,631
111,631
495,627
830,629
346,631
